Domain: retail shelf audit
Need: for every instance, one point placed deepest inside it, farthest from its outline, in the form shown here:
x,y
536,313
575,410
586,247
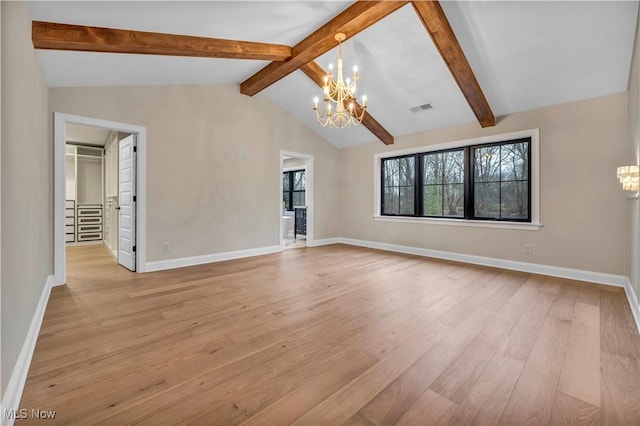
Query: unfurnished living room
x,y
320,212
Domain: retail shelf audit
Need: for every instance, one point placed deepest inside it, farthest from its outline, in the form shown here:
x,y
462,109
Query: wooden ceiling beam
x,y
316,73
48,35
438,27
351,21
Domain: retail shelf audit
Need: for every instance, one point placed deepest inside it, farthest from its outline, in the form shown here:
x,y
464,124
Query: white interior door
x,y
127,203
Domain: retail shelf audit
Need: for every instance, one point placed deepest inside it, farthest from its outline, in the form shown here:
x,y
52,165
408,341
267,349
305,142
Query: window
x,y
489,181
293,189
443,183
399,186
501,181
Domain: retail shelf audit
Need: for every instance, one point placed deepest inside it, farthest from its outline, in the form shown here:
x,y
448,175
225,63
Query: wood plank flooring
x,y
332,335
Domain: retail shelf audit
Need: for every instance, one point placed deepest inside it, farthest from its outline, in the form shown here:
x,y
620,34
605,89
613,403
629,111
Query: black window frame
x,y
421,184
382,186
291,191
469,182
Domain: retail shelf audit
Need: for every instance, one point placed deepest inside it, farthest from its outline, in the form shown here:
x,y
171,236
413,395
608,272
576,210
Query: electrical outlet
x,y
165,247
528,249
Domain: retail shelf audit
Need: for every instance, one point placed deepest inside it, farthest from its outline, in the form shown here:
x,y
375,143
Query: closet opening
x,y
91,196
99,193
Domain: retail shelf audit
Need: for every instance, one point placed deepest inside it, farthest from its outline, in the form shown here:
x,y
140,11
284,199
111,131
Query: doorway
x,y
296,200
91,177
126,204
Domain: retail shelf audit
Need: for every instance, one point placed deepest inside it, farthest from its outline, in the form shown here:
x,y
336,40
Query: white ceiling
x,y
525,54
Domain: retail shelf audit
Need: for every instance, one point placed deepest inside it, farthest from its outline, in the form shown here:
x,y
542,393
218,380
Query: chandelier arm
x,y
340,108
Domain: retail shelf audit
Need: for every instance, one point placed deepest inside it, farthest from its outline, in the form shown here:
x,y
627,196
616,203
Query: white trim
x,y
534,268
13,393
523,226
83,243
534,134
325,242
161,265
59,130
113,252
634,302
309,194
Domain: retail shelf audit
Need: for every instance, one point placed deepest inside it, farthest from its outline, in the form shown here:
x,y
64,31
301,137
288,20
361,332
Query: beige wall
x,y
89,181
581,205
632,208
203,197
27,165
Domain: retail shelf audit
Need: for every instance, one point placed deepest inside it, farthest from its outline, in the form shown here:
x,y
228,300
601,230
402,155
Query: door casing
x,y
60,137
309,194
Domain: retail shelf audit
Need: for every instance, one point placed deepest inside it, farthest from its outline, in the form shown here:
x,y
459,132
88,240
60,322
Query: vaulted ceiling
x,y
524,55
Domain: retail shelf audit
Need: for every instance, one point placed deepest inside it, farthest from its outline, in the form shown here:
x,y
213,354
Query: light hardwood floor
x,y
332,335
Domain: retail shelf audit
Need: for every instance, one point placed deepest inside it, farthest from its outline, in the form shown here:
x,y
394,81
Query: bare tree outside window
x,y
443,178
501,181
399,186
487,182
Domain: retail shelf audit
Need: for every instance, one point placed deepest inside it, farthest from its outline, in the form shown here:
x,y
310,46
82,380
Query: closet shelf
x,y
85,193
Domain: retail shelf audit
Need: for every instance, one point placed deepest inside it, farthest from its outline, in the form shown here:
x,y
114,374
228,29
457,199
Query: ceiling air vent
x,y
422,107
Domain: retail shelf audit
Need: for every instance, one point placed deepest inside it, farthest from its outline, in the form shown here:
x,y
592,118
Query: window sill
x,y
522,226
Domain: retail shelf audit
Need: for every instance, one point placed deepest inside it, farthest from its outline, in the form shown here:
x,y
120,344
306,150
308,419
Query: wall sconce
x,y
629,177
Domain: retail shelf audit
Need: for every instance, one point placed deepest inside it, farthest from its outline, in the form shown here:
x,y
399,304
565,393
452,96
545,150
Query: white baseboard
x,y
634,302
554,271
161,265
83,243
534,268
113,252
324,242
13,393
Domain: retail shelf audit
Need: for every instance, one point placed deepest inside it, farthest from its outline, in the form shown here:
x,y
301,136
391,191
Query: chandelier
x,y
340,108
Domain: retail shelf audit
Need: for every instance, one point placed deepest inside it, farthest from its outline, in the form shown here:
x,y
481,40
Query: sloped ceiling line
x,y
321,41
438,27
48,35
285,60
357,17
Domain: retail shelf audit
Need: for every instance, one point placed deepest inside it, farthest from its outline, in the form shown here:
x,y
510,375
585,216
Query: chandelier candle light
x,y
340,109
629,177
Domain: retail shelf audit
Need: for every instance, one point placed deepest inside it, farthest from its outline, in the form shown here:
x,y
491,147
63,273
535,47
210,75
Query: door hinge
x,y
134,248
134,198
